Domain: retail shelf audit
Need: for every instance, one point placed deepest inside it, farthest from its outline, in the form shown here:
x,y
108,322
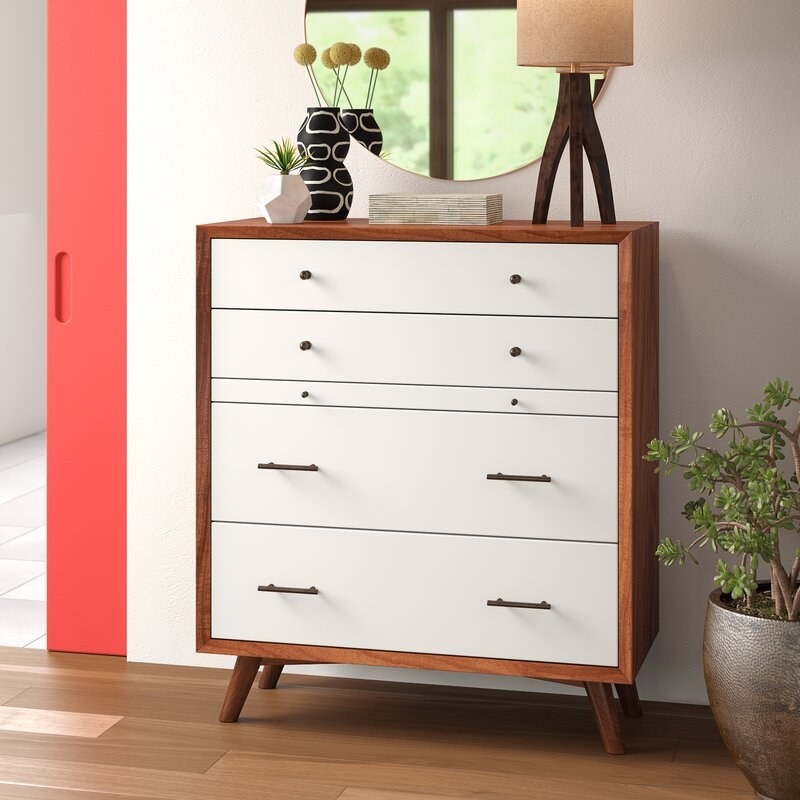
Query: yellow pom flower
x,y
340,53
377,58
355,54
326,60
305,54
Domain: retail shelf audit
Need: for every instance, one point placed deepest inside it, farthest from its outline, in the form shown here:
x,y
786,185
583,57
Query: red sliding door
x,y
86,252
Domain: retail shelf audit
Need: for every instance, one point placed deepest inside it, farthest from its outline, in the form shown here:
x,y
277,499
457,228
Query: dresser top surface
x,y
361,229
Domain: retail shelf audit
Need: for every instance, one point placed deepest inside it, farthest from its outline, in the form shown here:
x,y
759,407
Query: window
x,y
453,103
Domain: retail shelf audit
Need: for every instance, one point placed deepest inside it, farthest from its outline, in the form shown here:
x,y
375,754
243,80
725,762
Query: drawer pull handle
x,y
291,467
508,604
498,476
288,589
305,345
515,279
305,275
515,352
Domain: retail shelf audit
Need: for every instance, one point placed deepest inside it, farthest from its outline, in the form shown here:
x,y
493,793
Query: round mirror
x,y
452,103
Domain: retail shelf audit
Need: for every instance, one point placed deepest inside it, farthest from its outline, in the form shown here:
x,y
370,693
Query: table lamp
x,y
577,37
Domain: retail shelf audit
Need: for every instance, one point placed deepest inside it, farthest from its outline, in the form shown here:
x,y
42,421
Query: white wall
x,y
22,218
701,134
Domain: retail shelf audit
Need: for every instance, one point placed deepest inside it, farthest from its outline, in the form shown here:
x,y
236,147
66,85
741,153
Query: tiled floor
x,y
23,542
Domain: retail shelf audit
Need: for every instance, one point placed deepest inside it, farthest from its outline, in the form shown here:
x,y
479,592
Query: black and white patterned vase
x,y
326,143
361,124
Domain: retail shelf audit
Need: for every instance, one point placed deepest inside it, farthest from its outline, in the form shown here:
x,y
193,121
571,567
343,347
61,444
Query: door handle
x,y
62,288
291,467
288,589
498,476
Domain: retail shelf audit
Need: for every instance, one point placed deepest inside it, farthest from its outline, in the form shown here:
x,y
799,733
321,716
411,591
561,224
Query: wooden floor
x,y
141,731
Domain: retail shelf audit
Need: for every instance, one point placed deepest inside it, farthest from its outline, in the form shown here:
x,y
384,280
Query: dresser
x,y
420,446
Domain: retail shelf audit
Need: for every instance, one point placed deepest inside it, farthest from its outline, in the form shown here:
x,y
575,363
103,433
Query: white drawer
x,y
416,471
443,398
416,593
426,277
556,353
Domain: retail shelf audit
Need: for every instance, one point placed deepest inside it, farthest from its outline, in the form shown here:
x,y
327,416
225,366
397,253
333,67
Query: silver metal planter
x,y
752,672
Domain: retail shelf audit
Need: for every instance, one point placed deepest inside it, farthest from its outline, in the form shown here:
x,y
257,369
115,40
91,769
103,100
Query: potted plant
x,y
749,508
283,197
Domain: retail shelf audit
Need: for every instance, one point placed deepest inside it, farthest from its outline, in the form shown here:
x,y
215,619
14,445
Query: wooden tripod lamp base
x,y
574,121
577,37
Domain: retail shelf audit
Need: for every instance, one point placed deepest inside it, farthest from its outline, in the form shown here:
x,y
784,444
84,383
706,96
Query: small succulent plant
x,y
283,156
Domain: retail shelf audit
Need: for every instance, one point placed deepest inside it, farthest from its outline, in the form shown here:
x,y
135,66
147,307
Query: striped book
x,y
436,209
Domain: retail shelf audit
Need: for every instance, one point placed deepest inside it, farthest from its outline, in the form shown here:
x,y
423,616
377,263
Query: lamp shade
x,y
560,33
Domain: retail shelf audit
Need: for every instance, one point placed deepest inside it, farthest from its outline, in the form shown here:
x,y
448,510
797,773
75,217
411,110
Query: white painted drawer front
x,y
416,593
445,398
430,277
431,349
416,471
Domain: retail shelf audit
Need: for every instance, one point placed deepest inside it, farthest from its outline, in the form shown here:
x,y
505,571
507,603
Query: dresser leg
x,y
629,698
270,676
605,715
244,672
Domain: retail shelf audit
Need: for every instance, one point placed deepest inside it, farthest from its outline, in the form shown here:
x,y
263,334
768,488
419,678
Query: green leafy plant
x,y
282,156
749,498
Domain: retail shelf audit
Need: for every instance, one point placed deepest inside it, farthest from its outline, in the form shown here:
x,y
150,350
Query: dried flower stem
x,y
313,84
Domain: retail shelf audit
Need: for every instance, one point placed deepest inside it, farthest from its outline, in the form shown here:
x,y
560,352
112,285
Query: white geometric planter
x,y
284,198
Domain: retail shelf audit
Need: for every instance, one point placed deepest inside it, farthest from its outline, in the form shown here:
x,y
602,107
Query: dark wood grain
x,y
638,424
270,675
606,717
576,84
629,700
244,673
203,439
553,151
596,156
360,229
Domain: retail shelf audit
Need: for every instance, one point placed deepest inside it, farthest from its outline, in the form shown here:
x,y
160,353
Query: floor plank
x,y
62,723
323,738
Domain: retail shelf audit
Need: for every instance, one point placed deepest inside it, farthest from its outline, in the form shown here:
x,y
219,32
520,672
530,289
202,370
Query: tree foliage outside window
x,y
401,96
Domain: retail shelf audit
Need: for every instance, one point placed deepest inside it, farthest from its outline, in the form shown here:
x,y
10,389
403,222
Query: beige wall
x,y
22,218
701,134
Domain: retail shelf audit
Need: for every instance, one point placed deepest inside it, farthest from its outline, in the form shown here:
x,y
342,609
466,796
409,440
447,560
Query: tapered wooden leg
x,y
244,672
553,150
598,161
605,715
270,676
629,699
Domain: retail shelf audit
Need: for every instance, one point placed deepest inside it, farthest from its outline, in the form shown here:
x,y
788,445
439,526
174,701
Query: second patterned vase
x,y
361,124
325,142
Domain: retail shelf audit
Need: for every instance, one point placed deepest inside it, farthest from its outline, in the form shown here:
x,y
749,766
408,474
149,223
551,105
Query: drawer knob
x,y
510,604
305,275
305,345
498,476
515,402
290,467
515,351
271,587
515,279
303,394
